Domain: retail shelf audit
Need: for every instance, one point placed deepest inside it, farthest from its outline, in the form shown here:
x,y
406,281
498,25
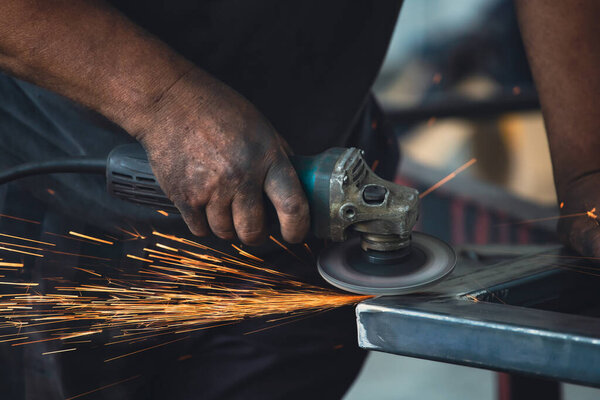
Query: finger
x,y
285,192
249,218
218,214
195,219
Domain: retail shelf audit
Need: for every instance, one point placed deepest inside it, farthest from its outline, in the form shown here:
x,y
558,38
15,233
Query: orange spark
x,y
246,254
449,177
528,221
50,192
162,246
9,264
145,349
181,291
21,246
70,238
19,283
592,213
87,270
58,351
89,237
26,239
21,251
516,90
19,219
374,166
166,214
562,204
138,258
104,387
78,255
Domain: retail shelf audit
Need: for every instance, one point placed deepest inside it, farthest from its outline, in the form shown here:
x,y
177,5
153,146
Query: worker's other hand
x,y
215,155
579,228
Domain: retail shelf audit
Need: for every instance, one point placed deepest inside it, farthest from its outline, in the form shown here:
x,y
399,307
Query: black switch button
x,y
374,194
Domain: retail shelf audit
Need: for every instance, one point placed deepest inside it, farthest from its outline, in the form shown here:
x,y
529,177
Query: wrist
x,y
136,102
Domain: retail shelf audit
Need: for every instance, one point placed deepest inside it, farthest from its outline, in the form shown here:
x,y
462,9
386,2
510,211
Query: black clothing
x,y
308,67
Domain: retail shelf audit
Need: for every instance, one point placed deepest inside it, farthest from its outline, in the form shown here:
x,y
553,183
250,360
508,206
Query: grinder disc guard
x,y
347,266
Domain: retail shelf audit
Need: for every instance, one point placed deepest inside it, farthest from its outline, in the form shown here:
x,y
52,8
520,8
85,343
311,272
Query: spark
x,y
516,90
87,270
166,214
556,217
104,387
65,253
162,246
139,258
592,213
562,204
19,283
21,251
187,288
59,351
277,242
472,298
70,238
21,246
26,239
307,247
246,254
449,177
9,264
19,219
374,166
89,237
147,348
51,192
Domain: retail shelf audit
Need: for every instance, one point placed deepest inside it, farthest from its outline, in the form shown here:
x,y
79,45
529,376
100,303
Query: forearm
x,y
89,52
563,48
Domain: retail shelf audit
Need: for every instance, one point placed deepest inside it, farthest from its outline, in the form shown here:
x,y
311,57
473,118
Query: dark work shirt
x,y
307,65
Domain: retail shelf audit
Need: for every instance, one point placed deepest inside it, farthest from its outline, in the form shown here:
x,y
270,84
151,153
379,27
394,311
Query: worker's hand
x,y
579,228
214,154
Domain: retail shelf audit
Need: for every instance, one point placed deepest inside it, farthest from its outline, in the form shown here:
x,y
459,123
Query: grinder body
x,y
342,192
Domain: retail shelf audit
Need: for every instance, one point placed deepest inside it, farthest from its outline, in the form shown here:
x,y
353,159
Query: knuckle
x,y
198,230
224,234
294,206
251,237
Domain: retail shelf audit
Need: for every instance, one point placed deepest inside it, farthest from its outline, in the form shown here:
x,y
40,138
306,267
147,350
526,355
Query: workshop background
x,y
456,85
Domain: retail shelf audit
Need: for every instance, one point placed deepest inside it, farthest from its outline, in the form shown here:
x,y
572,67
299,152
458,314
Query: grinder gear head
x,y
348,199
345,195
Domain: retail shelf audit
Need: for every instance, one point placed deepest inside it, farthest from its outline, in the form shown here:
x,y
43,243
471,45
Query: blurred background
x,y
456,85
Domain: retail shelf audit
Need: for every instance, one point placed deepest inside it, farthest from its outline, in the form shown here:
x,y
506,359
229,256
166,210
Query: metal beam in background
x,y
461,107
464,321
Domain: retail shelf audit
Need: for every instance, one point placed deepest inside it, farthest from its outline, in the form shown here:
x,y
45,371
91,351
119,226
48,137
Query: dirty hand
x,y
214,154
579,228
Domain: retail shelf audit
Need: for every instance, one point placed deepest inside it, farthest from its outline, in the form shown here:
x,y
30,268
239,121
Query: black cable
x,y
60,165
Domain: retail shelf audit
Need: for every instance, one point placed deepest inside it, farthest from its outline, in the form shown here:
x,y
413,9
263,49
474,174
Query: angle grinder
x,y
370,220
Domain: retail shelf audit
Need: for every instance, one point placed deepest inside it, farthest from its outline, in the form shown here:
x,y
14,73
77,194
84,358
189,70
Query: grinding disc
x,y
345,266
